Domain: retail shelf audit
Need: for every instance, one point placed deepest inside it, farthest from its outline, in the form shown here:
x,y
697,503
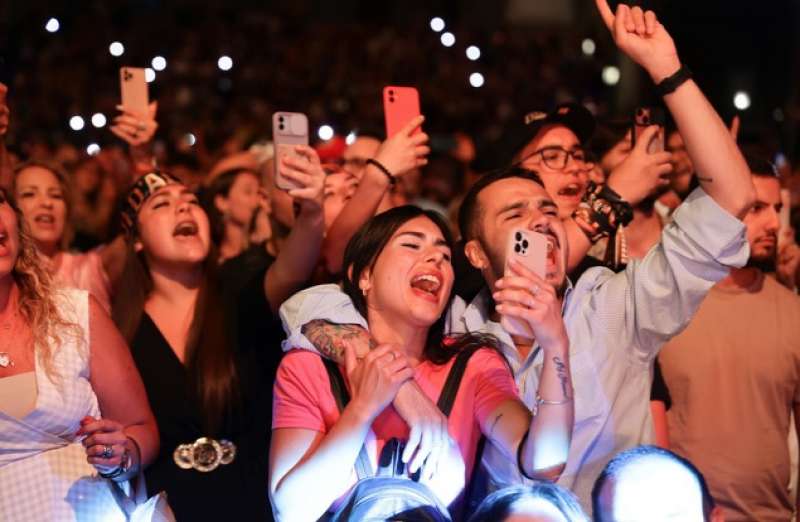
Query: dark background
x,y
330,60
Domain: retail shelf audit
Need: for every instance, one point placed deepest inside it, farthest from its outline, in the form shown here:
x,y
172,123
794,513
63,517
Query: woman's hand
x,y
134,128
307,173
406,150
525,295
375,379
105,443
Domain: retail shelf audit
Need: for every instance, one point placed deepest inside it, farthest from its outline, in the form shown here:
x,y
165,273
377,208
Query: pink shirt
x,y
86,272
303,398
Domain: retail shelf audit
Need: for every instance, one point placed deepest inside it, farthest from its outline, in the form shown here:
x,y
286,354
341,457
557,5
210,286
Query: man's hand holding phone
x,y
304,170
641,173
406,150
522,294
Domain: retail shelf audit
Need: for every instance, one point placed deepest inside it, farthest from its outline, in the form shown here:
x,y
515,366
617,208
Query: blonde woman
x,y
73,410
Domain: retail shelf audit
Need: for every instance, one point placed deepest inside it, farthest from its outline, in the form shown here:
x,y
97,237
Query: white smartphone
x,y
530,249
289,129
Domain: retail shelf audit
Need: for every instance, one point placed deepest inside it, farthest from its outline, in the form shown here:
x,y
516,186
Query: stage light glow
x,y
351,138
473,52
116,49
149,75
325,132
448,39
99,120
52,25
437,24
741,100
93,149
611,75
76,123
190,139
159,63
588,46
476,79
225,63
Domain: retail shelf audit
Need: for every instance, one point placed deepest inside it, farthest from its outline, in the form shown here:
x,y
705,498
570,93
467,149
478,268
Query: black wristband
x,y
519,455
383,169
669,84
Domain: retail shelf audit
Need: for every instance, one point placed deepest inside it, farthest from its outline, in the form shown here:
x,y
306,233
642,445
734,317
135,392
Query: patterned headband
x,y
142,189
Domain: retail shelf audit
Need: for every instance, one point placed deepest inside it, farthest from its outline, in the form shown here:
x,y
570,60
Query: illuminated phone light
x,y
52,25
149,75
116,49
476,79
93,149
448,39
325,132
159,63
473,52
190,139
741,100
225,63
98,120
588,46
437,24
76,123
611,75
351,138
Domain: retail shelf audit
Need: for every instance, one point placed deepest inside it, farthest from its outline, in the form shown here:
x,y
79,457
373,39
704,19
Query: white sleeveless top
x,y
44,475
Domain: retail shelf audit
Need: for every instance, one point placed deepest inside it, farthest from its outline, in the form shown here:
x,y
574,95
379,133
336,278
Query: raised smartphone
x,y
530,249
644,117
400,106
133,89
289,129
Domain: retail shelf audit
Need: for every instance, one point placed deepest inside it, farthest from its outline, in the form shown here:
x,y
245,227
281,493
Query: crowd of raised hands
x,y
216,312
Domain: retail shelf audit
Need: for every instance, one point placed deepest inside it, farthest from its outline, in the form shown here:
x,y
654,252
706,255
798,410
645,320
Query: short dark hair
x,y
500,504
470,212
760,167
620,461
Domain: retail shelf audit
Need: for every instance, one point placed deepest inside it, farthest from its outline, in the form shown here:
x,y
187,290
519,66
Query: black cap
x,y
574,116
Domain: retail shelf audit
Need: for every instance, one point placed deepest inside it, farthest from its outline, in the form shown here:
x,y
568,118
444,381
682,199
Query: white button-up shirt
x,y
616,323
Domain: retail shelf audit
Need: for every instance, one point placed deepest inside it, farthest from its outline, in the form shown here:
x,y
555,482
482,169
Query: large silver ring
x,y
108,451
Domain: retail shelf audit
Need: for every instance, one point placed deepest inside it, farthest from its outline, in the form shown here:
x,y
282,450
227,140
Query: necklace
x,y
5,358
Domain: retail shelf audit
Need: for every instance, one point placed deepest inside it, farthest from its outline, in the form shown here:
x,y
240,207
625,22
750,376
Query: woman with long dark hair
x,y
399,276
194,338
72,405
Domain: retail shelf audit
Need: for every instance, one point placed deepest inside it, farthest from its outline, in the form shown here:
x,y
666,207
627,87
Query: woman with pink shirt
x,y
42,193
399,276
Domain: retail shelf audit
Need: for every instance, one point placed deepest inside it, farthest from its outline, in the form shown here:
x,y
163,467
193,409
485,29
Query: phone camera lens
x,y
280,119
518,236
281,126
525,244
517,248
391,99
391,92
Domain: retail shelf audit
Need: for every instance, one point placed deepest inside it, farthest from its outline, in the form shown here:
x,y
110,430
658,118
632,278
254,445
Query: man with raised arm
x,y
616,322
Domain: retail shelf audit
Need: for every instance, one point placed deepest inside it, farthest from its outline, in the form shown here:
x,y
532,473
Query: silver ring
x,y
140,126
108,451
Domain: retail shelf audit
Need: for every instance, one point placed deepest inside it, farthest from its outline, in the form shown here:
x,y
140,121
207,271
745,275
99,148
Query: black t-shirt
x,y
236,491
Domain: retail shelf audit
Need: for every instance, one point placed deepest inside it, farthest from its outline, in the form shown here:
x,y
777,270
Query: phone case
x,y
133,89
644,117
288,130
785,216
400,106
530,249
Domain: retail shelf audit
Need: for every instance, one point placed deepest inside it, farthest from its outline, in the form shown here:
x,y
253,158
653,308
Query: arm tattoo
x,y
561,371
330,339
494,424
